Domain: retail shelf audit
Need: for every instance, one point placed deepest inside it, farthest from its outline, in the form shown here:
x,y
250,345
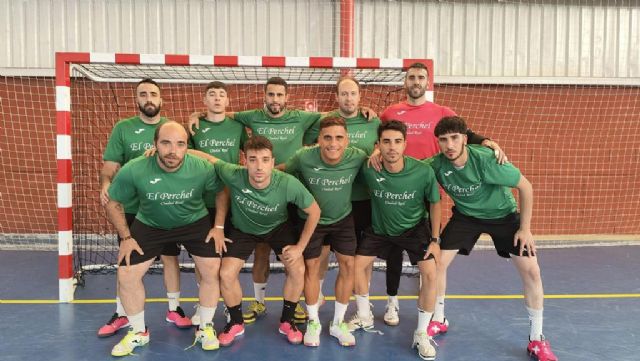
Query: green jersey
x,y
129,139
482,188
363,134
397,199
167,199
330,185
223,140
286,133
259,211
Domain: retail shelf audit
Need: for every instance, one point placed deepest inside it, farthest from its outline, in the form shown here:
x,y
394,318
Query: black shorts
x,y
361,211
340,236
462,233
154,240
415,241
168,250
244,243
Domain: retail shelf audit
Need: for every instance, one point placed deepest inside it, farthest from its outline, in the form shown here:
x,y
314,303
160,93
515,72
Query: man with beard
x,y
129,139
484,203
398,195
170,188
363,134
420,116
329,170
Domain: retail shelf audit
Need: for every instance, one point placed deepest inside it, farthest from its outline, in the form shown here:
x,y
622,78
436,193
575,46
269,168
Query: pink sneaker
x,y
289,329
541,350
113,325
437,328
230,332
178,318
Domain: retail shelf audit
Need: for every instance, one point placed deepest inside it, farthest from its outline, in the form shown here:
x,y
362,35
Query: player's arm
x,y
194,120
217,231
200,154
435,215
475,138
292,252
369,113
115,213
109,170
524,236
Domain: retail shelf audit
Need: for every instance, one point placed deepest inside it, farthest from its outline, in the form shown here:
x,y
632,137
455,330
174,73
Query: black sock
x,y
235,313
288,311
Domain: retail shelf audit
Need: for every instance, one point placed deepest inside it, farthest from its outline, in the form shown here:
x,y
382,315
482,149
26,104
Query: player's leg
x,y
324,267
171,274
393,274
426,303
208,295
293,286
363,317
260,275
312,261
232,261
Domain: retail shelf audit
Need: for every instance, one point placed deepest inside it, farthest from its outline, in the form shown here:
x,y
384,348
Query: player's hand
x,y
525,238
500,155
433,249
219,239
150,152
291,253
126,248
104,195
194,120
368,112
375,160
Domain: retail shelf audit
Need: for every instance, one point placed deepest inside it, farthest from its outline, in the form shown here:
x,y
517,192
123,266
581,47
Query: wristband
x,y
436,240
126,238
219,227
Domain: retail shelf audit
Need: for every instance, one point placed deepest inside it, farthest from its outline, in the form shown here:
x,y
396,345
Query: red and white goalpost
x,y
78,102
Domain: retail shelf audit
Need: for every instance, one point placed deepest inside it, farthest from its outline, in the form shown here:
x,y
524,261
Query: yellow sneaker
x,y
256,309
207,338
132,340
300,315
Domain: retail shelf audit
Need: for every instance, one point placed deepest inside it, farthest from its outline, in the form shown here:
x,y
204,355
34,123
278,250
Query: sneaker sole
x,y
232,341
312,344
291,342
392,323
427,358
212,348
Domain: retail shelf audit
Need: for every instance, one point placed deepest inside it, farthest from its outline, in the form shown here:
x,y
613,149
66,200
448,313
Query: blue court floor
x,y
592,312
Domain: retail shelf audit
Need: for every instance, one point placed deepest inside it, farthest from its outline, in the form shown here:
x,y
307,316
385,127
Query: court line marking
x,y
331,298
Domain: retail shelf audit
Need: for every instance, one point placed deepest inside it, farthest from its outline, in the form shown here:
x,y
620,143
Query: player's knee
x,y
227,275
533,273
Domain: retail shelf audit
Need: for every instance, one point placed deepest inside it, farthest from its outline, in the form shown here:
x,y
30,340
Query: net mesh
x,y
578,144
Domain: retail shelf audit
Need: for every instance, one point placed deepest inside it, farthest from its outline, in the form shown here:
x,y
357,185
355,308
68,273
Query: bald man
x,y
169,187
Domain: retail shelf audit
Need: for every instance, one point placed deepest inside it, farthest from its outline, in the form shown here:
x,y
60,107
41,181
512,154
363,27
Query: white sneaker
x,y
195,319
424,344
130,342
341,332
312,335
391,317
356,322
207,338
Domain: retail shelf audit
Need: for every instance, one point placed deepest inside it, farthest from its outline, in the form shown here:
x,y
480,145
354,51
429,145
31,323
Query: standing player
x,y
481,192
259,199
328,170
218,135
420,117
169,188
398,195
129,139
363,134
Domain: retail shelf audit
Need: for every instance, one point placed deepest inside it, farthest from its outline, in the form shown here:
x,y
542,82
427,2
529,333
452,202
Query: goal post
x,y
79,145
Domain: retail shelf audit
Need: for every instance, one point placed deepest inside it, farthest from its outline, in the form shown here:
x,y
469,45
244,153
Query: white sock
x,y
423,320
119,308
313,312
137,322
535,320
438,315
259,289
394,300
339,311
174,300
206,315
321,295
362,303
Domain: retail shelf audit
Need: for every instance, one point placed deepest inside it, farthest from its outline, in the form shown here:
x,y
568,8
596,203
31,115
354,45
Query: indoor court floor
x,y
592,312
